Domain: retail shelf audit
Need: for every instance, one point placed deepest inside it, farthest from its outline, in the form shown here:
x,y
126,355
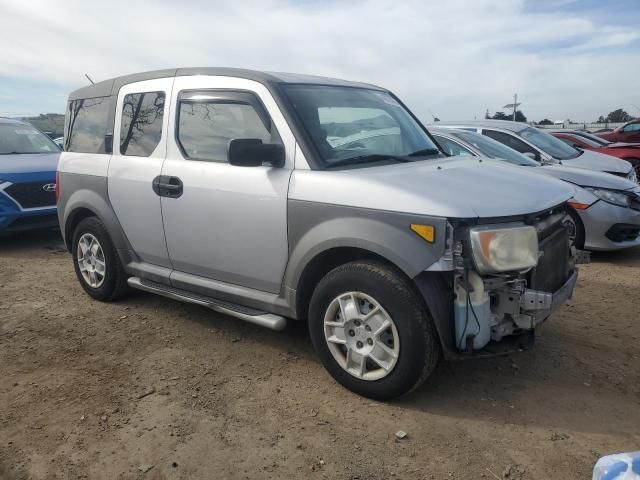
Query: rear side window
x,y
86,125
452,148
205,127
141,125
509,141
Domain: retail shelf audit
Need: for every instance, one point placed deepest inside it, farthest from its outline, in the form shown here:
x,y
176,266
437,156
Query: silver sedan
x,y
605,209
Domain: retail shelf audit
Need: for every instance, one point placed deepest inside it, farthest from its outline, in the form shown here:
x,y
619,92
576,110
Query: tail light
x,y
57,186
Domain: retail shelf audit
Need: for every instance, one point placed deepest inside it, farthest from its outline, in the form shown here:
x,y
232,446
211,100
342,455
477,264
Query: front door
x,y
226,223
139,149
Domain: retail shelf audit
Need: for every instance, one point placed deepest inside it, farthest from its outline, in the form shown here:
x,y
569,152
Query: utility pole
x,y
513,105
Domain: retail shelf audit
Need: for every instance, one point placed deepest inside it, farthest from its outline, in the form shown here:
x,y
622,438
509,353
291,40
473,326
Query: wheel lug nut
x,y
357,323
359,344
367,328
369,341
352,333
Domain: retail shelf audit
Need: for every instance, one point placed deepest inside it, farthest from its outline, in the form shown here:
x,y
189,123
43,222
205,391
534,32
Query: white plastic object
x,y
472,314
621,466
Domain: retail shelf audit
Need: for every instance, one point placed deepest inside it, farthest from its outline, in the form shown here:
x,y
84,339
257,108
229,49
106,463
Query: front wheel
x,y
372,331
576,230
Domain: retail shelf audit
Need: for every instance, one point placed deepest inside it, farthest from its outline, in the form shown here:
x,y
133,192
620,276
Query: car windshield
x,y
549,144
358,123
16,138
594,138
494,149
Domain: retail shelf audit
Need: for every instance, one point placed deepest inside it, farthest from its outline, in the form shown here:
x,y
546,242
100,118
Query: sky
x,y
455,59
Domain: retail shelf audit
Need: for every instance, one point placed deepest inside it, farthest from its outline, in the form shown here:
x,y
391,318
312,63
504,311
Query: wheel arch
x,y
322,263
84,203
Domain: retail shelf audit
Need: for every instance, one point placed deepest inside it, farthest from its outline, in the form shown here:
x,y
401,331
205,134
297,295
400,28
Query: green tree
x,y
545,121
601,119
500,116
520,116
619,115
503,116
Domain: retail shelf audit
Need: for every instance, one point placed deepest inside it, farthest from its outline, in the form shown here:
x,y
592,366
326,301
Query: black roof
x,y
113,85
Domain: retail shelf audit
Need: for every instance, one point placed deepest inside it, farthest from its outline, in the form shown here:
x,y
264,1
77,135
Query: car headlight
x,y
504,249
611,196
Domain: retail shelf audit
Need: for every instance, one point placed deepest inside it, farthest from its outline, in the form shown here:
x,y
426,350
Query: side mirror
x,y
251,152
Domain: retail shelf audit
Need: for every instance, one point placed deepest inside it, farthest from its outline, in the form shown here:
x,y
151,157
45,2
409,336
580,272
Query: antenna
x,y
89,78
435,119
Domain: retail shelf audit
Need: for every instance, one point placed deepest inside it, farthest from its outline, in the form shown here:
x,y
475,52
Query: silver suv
x,y
272,196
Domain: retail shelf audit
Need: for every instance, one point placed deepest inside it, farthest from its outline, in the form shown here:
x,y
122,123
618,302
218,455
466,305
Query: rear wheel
x,y
372,331
96,262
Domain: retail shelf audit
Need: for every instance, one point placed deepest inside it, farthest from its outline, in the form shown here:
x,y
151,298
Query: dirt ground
x,y
151,388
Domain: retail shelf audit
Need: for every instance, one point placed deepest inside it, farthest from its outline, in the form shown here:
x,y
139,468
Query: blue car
x,y
28,162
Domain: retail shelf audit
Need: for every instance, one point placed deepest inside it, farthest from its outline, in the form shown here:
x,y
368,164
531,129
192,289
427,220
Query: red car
x,y
629,132
587,141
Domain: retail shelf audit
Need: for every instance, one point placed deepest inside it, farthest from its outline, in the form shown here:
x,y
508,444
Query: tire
x,y
579,230
111,279
635,163
412,336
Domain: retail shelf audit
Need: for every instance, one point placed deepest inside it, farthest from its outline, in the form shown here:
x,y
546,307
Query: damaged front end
x,y
508,277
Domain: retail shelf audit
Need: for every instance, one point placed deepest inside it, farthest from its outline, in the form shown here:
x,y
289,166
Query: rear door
x,y
139,149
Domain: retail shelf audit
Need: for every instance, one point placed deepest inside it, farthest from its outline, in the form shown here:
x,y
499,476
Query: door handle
x,y
167,186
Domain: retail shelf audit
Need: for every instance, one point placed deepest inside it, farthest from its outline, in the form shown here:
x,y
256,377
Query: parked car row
x,y
277,197
587,141
604,213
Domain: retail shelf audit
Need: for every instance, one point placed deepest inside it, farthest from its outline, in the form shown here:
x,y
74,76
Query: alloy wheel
x,y
361,336
91,261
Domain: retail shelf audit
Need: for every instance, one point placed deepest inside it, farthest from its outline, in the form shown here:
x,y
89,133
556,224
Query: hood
x,y
453,187
28,163
586,178
600,162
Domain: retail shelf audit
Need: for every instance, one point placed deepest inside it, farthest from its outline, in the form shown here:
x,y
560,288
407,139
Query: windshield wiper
x,y
375,157
19,153
424,151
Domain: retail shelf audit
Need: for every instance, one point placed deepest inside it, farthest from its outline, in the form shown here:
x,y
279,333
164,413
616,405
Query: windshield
x,y
549,144
593,138
347,122
16,138
493,149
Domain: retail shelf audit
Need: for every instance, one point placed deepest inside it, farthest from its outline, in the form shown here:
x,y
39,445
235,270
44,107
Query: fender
x,y
317,227
80,191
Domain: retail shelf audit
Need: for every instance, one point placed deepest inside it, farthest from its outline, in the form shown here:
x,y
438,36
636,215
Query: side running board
x,y
264,319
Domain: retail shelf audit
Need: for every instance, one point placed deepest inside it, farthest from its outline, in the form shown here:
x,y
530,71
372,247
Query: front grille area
x,y
554,265
622,232
31,195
